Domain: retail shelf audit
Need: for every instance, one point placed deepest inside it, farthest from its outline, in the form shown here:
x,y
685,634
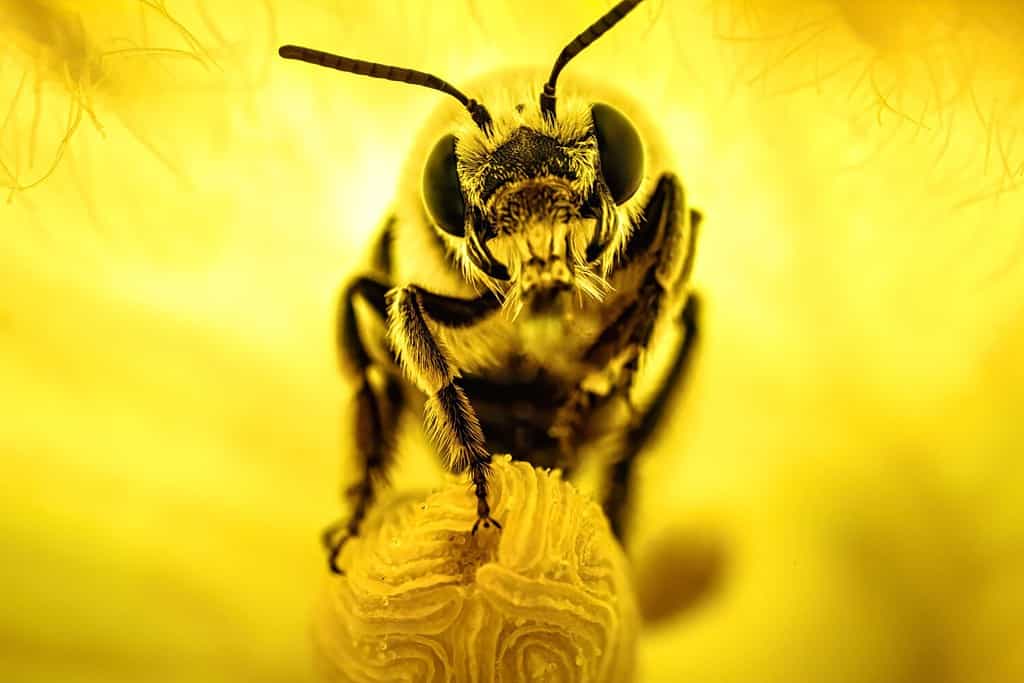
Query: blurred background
x,y
838,496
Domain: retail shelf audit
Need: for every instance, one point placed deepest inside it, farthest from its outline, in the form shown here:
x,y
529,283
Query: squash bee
x,y
518,282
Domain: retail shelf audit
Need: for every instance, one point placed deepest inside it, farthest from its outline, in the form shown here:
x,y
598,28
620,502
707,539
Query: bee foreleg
x,y
450,419
378,401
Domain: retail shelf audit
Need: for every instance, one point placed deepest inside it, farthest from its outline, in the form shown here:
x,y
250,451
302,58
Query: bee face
x,y
535,201
531,184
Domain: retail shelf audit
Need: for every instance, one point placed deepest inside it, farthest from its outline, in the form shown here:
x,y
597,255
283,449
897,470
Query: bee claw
x,y
333,540
487,522
334,547
332,559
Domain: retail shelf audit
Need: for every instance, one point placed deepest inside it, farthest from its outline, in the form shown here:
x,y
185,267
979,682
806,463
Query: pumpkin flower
x,y
835,496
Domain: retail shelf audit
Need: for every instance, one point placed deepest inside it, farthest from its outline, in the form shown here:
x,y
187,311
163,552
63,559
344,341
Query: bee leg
x,y
666,239
616,501
378,401
667,231
450,419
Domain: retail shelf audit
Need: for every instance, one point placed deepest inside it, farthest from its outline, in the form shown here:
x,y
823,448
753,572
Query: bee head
x,y
534,201
534,204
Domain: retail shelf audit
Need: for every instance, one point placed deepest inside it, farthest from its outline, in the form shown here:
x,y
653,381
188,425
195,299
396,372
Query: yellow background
x,y
171,417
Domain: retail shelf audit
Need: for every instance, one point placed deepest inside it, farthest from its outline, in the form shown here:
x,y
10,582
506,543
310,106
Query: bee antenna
x,y
479,112
595,31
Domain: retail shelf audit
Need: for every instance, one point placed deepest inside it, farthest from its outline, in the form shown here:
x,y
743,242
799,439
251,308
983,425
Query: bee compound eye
x,y
442,192
621,150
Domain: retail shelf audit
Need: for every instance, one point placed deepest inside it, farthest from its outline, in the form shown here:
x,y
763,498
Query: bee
x,y
518,282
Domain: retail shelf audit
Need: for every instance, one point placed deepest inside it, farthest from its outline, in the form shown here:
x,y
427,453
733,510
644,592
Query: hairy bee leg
x,y
667,235
617,500
450,419
376,411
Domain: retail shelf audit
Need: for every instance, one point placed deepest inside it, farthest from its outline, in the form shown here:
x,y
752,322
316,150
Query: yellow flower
x,y
839,486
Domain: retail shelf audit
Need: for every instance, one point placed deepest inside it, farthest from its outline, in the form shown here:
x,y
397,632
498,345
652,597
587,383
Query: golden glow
x,y
848,449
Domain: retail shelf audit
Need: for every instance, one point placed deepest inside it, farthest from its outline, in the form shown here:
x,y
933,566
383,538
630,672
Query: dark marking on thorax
x,y
527,154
